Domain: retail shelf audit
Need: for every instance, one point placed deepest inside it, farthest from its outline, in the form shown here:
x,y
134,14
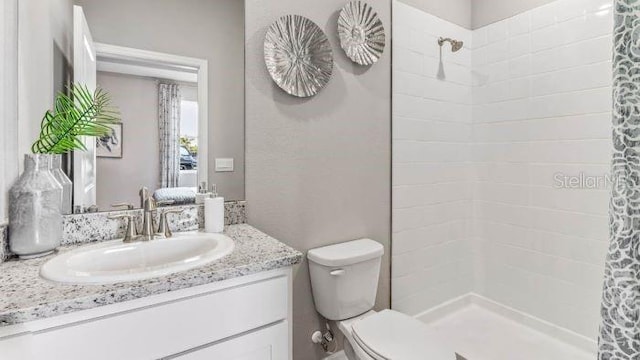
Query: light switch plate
x,y
224,164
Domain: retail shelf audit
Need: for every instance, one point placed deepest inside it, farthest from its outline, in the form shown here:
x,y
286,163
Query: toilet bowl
x,y
344,280
391,335
356,352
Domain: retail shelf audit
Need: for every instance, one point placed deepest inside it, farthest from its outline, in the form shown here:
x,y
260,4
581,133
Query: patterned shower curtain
x,y
620,328
169,126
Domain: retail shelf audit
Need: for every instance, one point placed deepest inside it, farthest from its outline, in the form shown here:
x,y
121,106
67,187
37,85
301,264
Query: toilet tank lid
x,y
347,253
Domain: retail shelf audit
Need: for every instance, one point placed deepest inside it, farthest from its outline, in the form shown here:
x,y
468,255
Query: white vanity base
x,y
238,319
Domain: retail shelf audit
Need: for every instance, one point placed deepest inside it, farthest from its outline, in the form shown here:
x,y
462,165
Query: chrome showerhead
x,y
455,44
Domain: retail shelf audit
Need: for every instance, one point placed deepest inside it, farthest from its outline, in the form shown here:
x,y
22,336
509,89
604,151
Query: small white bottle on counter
x,y
214,212
202,193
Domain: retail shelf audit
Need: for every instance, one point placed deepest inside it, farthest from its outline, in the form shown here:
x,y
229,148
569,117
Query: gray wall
x,y
485,12
207,29
455,11
45,33
119,180
318,169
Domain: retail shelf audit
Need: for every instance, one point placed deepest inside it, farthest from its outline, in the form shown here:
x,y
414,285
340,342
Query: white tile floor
x,y
479,334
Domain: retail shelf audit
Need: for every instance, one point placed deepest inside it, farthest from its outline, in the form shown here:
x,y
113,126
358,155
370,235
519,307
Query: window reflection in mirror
x,y
189,138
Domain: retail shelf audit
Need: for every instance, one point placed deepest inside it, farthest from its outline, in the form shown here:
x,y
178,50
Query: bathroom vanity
x,y
237,307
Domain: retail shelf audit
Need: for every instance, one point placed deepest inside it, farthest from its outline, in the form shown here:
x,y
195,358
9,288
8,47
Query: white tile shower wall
x,y
541,109
477,155
432,187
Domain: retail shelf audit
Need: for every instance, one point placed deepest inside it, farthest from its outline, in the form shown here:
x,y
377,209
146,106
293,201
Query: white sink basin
x,y
115,261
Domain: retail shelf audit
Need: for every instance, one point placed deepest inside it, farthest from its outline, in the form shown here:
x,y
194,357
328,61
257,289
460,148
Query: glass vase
x,y
63,179
35,204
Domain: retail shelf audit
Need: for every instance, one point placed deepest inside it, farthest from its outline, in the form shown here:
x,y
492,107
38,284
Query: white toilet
x,y
344,279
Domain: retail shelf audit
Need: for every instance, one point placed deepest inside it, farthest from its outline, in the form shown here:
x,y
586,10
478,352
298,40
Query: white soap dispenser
x,y
202,193
214,212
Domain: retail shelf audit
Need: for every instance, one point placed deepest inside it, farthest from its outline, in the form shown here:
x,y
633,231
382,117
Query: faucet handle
x,y
123,205
163,227
131,232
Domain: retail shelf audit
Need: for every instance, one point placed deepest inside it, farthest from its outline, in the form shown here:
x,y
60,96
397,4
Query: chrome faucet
x,y
149,206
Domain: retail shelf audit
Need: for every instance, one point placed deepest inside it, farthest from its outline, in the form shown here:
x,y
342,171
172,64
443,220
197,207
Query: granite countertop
x,y
25,296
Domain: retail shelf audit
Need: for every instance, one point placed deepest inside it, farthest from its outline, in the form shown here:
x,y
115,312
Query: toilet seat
x,y
390,335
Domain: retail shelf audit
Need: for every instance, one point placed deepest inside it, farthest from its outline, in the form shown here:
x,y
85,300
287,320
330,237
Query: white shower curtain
x,y
169,127
620,328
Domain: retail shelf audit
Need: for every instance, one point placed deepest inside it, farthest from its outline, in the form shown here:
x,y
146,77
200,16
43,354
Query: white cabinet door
x,y
269,343
18,348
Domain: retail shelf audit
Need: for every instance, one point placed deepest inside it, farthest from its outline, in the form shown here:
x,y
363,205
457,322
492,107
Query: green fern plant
x,y
81,113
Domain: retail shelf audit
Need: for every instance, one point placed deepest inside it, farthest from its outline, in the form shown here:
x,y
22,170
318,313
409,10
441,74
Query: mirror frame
x,y
131,61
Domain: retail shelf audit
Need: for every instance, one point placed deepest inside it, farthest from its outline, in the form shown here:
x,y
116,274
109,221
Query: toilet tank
x,y
344,277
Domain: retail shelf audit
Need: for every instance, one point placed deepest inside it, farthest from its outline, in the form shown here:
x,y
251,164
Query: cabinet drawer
x,y
160,330
269,343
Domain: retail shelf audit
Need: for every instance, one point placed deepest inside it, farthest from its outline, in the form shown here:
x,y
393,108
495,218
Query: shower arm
x,y
442,40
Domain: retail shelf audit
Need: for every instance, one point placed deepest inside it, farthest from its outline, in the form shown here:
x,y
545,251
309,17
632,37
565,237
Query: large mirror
x,y
175,72
161,142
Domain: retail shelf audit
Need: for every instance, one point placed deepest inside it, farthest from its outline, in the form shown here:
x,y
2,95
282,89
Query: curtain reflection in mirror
x,y
169,127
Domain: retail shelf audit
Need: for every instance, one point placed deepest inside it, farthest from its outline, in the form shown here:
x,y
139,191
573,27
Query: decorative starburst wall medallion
x,y
361,33
298,55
